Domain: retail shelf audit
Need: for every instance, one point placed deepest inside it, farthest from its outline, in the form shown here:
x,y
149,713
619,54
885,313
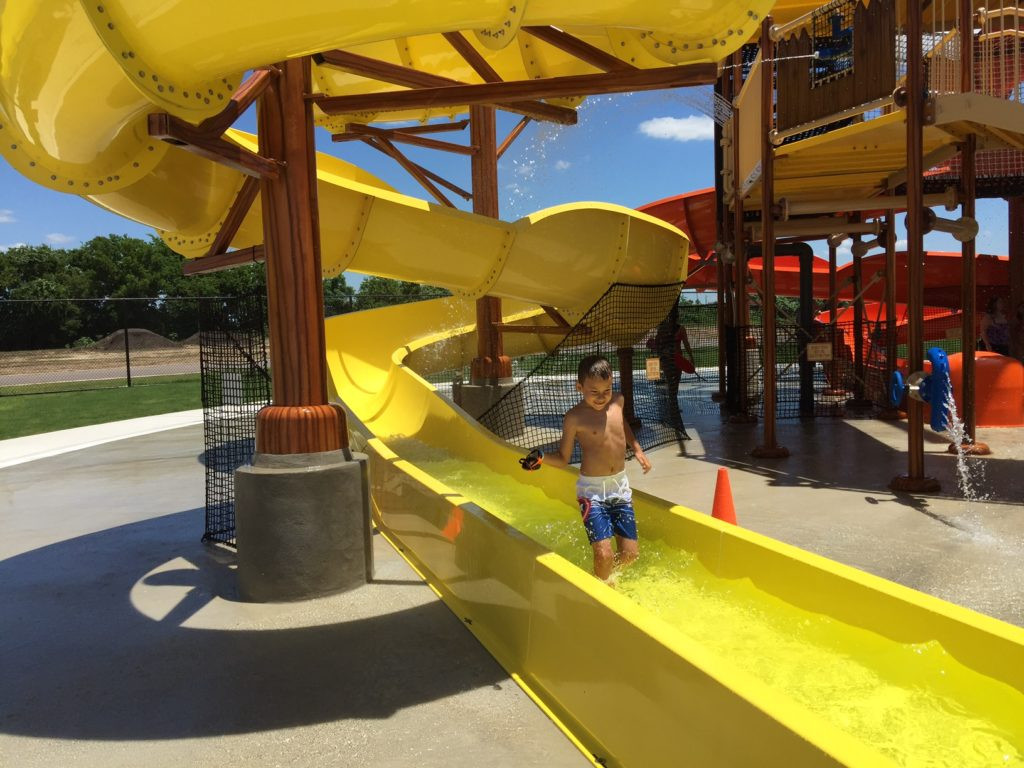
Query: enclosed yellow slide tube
x,y
79,77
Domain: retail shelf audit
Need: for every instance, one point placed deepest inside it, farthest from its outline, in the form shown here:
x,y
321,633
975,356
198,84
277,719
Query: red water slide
x,y
694,213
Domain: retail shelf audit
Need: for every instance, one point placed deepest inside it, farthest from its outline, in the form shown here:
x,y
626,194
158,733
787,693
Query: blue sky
x,y
628,149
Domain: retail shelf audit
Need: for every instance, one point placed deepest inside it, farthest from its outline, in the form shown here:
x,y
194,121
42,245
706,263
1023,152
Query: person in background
x,y
995,327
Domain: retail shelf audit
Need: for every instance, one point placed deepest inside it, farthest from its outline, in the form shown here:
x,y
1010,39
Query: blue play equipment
x,y
933,388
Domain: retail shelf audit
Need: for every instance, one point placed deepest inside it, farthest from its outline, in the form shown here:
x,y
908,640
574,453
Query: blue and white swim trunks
x,y
606,504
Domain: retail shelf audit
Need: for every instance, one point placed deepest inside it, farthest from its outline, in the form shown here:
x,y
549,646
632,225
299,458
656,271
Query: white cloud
x,y
901,245
10,245
56,238
7,216
692,128
562,165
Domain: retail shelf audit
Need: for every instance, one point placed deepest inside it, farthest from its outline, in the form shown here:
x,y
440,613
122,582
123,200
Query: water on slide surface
x,y
914,703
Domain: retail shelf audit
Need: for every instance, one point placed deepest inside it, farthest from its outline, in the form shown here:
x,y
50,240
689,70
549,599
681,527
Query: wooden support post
x,y
915,480
769,449
968,250
1015,216
835,385
491,364
858,401
723,89
890,411
741,302
969,300
300,420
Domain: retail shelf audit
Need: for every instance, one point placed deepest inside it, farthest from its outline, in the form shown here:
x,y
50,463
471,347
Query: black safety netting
x,y
637,328
236,385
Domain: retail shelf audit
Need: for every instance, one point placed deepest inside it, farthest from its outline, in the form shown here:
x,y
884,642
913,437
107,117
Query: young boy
x,y
603,492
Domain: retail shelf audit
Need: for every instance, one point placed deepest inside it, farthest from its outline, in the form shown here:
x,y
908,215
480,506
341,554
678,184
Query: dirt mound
x,y
138,338
192,340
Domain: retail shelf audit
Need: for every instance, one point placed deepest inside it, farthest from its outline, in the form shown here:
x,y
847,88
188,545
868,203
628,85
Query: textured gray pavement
x,y
831,497
122,642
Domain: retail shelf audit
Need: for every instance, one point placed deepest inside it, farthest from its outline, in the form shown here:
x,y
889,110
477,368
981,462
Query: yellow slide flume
x,y
720,648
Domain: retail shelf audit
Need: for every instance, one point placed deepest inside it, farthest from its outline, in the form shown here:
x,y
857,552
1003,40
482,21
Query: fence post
x,y
127,351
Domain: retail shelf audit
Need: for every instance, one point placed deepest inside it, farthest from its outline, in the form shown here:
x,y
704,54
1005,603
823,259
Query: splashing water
x,y
970,471
912,701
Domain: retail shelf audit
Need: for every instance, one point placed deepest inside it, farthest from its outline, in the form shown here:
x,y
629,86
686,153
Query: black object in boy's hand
x,y
532,460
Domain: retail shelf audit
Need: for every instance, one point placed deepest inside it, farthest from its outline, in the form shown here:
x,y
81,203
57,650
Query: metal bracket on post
x,y
963,229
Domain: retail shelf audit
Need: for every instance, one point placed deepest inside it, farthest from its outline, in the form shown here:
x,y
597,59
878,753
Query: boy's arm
x,y
561,459
641,457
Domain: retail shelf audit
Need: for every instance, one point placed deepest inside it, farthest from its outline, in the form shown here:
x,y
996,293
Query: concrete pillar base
x,y
475,399
302,524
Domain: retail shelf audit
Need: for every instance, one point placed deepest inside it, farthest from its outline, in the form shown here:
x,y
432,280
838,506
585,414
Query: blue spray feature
x,y
934,388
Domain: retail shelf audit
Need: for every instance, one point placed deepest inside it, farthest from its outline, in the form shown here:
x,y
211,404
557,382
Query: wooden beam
x,y
412,169
236,215
174,131
413,78
222,261
606,62
512,136
455,125
514,90
240,101
510,328
399,136
555,315
369,141
473,57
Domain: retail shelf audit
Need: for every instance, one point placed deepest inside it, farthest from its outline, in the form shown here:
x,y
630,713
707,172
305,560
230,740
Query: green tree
x,y
339,296
383,291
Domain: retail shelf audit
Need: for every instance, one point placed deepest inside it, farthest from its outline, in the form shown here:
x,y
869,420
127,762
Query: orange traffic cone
x,y
722,507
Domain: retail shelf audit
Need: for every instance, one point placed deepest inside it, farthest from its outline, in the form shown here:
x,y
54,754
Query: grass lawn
x,y
31,414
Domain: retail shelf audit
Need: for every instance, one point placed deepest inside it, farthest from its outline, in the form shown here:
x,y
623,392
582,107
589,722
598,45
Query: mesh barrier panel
x,y
845,378
832,41
236,385
635,328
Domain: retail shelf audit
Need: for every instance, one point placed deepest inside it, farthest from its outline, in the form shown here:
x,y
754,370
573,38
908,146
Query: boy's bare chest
x,y
598,428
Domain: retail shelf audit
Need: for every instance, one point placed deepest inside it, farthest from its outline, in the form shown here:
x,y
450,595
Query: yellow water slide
x,y
721,647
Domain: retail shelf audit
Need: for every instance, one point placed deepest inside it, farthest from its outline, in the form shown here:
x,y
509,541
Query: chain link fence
x,y
60,345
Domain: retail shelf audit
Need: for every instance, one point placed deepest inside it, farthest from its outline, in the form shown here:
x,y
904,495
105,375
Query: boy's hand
x,y
645,463
532,460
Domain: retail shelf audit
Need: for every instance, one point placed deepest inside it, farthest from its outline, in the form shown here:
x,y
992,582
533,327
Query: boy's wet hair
x,y
593,366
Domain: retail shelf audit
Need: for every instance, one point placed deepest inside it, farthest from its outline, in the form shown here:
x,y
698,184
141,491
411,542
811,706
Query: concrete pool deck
x,y
123,643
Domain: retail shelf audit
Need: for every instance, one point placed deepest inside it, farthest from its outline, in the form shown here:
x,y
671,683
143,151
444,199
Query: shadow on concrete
x,y
80,661
825,453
